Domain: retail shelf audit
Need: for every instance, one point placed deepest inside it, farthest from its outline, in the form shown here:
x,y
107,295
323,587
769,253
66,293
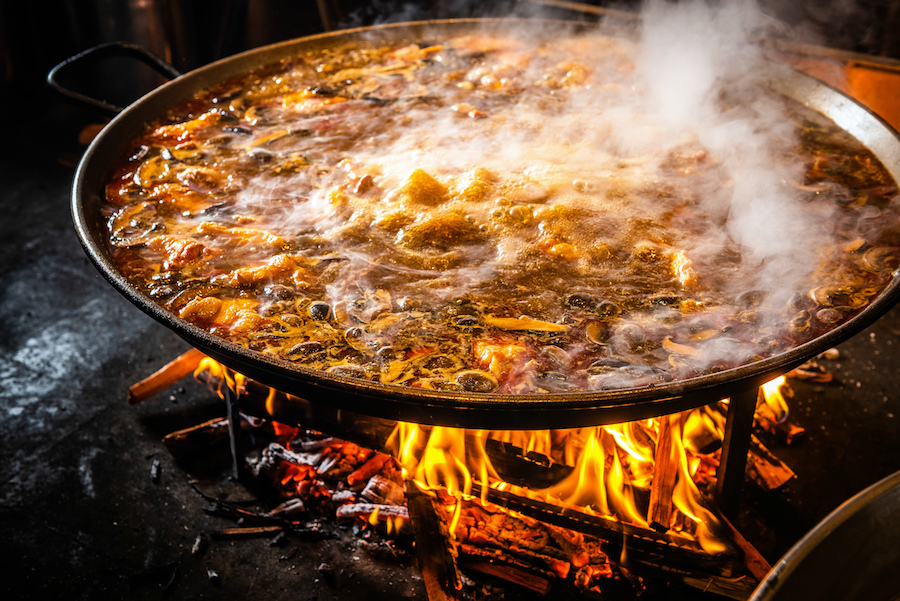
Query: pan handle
x,y
102,51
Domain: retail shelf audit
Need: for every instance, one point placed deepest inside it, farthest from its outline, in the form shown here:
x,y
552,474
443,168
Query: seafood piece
x,y
524,323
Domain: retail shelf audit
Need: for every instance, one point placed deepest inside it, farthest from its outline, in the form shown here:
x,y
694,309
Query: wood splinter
x,y
167,375
247,532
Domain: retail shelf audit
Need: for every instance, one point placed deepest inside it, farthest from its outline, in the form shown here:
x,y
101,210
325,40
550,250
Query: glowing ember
x,y
605,471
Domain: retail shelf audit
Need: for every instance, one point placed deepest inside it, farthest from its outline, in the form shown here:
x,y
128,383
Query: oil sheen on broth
x,y
483,213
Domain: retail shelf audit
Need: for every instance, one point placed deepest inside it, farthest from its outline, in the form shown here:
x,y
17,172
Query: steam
x,y
691,54
684,86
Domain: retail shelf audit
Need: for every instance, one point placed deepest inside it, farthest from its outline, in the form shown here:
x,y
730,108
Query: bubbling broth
x,y
497,213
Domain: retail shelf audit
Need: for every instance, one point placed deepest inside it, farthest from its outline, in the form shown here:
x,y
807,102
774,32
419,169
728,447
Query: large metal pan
x,y
851,555
474,410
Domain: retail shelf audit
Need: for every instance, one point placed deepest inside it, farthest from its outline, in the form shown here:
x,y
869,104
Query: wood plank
x,y
665,472
164,377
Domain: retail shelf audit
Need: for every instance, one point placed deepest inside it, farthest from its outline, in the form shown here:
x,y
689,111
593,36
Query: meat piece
x,y
279,269
179,133
497,358
442,231
239,316
422,188
178,251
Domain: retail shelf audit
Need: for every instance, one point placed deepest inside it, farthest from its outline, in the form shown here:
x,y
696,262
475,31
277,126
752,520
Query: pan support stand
x,y
234,432
735,446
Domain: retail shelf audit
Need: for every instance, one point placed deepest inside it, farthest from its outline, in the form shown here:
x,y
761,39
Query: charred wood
x,y
645,547
309,446
764,468
434,552
739,588
245,532
366,510
197,438
811,372
495,562
383,491
522,468
753,560
343,496
275,455
784,432
228,510
290,507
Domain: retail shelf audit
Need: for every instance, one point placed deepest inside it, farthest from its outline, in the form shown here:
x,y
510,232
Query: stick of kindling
x,y
167,375
755,563
664,477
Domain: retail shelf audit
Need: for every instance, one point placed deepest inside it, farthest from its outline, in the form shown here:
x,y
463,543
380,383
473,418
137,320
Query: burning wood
x,y
766,469
436,554
317,472
665,473
367,510
520,539
368,469
646,548
530,553
496,563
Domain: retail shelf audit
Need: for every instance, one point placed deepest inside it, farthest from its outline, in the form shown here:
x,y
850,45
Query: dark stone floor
x,y
80,515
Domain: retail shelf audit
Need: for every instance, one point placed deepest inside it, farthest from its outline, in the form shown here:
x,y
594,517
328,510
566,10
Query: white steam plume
x,y
693,53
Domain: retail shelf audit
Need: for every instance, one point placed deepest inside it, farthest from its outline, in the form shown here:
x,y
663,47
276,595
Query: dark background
x,y
80,516
35,36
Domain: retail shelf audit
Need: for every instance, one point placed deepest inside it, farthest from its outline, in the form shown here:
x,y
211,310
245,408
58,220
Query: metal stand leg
x,y
735,446
234,429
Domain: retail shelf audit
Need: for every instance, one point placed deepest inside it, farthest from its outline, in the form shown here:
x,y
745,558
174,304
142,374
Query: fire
x,y
600,482
612,469
230,380
604,471
772,405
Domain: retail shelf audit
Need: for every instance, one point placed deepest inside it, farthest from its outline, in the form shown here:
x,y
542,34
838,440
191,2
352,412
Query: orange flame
x,y
611,474
772,405
228,379
612,466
